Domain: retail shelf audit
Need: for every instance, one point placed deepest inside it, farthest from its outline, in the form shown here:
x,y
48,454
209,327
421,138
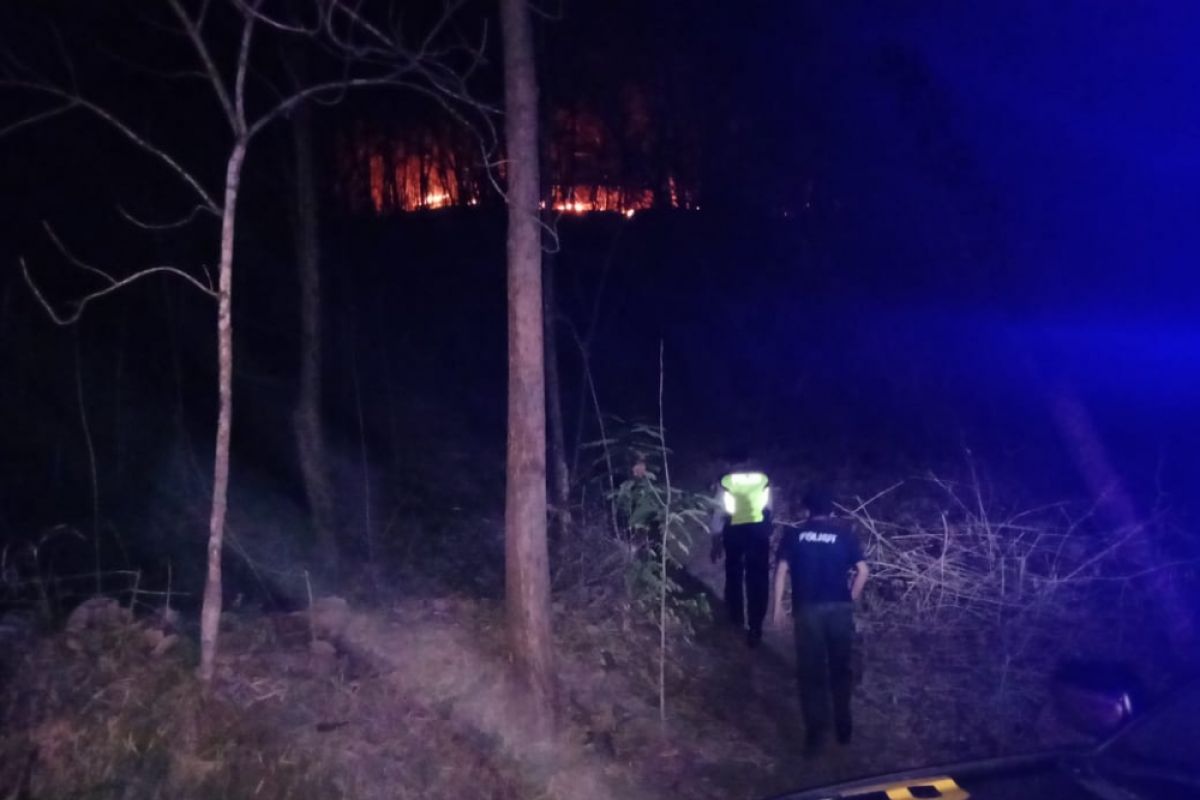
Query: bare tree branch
x,y
276,23
556,15
424,68
202,15
36,118
114,285
290,102
76,101
449,11
214,75
163,226
239,84
65,56
356,22
86,267
147,69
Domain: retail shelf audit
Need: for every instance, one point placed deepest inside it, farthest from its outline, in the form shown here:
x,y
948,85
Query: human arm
x,y
716,526
780,586
716,549
858,563
861,573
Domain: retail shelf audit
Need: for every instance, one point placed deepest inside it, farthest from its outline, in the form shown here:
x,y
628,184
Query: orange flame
x,y
426,171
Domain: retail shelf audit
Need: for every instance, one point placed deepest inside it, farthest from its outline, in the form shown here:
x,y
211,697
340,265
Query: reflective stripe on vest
x,y
746,495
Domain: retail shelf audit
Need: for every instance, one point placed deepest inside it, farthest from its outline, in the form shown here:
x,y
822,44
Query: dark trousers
x,y
747,573
824,635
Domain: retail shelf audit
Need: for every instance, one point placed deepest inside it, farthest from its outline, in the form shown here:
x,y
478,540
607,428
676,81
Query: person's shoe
x,y
753,639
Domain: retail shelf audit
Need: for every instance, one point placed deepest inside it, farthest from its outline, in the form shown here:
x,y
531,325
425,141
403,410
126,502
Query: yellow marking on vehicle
x,y
946,788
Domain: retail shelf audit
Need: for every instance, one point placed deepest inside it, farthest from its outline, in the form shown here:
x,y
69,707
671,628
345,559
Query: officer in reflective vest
x,y
741,530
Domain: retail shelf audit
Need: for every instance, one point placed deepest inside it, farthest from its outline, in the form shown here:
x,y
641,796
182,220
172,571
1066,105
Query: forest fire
x,y
404,182
401,181
587,199
592,170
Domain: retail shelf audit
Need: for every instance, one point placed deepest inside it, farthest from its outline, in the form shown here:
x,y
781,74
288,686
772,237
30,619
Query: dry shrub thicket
x,y
973,604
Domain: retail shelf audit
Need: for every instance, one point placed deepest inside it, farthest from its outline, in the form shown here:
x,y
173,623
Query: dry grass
x,y
408,701
94,712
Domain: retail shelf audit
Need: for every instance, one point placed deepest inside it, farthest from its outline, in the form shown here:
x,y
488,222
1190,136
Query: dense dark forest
x,y
936,259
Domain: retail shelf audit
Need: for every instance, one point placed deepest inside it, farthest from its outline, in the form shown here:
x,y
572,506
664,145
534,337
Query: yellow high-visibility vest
x,y
746,496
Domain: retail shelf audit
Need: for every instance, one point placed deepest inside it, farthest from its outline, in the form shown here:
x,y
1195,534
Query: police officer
x,y
742,533
825,561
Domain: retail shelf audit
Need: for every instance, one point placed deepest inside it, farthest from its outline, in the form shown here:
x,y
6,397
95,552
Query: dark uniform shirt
x,y
820,554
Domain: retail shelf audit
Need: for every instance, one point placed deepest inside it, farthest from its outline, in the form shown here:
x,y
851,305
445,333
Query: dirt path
x,y
455,666
895,726
733,728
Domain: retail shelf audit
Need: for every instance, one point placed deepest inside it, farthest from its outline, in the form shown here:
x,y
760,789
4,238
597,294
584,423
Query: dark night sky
x,y
1056,140
1076,126
1081,119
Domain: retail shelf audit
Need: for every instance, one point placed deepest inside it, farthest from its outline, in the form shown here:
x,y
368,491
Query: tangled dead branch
x,y
940,549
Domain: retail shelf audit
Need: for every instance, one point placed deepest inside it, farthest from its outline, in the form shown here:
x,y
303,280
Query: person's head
x,y
639,469
818,500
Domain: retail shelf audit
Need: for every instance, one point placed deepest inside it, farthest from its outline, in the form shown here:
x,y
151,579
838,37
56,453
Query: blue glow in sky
x,y
1080,125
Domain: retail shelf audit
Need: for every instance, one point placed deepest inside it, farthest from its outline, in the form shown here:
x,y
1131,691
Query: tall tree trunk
x,y
210,613
310,441
558,443
527,573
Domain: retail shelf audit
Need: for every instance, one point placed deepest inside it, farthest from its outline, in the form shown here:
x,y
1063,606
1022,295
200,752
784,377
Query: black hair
x,y
818,500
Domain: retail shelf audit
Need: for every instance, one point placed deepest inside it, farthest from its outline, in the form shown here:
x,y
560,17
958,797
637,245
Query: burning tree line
x,y
592,163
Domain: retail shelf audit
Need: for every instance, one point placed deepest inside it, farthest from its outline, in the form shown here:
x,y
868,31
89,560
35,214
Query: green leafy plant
x,y
642,512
